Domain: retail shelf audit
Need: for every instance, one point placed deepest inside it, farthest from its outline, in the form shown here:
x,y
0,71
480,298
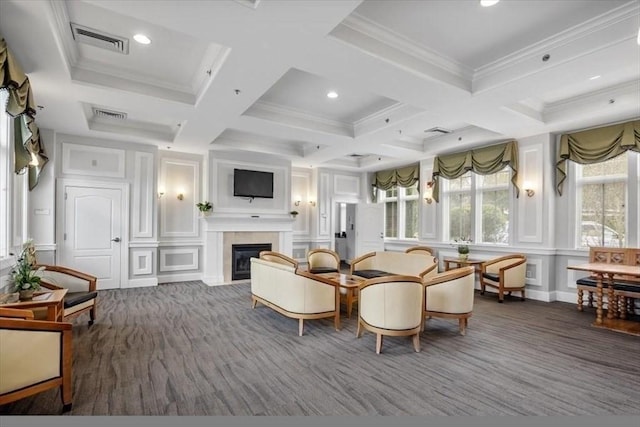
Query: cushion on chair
x,y
586,281
75,298
491,276
371,274
320,270
625,287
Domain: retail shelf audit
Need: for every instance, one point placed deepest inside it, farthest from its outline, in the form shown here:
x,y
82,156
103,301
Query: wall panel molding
x,y
178,259
143,196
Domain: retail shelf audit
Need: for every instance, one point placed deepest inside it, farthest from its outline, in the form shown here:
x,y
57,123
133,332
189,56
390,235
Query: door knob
x,y
117,239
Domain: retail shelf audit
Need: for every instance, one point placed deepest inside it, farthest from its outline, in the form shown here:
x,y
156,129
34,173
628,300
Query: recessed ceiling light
x,y
487,3
332,94
142,39
594,78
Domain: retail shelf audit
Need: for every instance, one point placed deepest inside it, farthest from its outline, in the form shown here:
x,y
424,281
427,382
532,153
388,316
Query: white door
x,y
92,233
369,228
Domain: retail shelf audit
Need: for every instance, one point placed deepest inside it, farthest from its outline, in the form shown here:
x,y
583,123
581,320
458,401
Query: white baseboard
x,y
140,283
185,277
213,280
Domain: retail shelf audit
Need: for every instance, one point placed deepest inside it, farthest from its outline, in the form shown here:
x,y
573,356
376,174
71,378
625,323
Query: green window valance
x,y
404,177
29,150
483,161
596,145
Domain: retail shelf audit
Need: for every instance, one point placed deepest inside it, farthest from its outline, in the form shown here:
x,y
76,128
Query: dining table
x,y
606,271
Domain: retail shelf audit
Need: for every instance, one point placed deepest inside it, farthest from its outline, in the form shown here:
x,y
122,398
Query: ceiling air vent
x,y
101,113
100,39
437,130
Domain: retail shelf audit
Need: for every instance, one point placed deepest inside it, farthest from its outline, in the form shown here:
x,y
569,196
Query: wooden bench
x,y
625,288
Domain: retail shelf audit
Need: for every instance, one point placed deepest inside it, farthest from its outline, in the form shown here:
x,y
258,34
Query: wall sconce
x,y
180,196
160,194
428,192
297,201
312,203
528,188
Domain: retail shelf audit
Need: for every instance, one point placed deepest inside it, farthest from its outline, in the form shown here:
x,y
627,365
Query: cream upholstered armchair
x,y
279,258
391,305
507,274
450,295
323,261
35,356
420,250
81,296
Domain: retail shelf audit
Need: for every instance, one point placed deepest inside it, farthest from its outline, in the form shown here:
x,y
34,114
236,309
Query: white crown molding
x,y
397,41
68,47
106,75
297,118
570,35
285,149
396,113
597,99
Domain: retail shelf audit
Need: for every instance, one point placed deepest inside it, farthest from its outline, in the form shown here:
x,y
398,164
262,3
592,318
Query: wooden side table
x,y
457,263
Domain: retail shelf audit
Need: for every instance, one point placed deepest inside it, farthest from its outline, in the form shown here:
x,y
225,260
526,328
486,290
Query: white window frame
x,y
401,199
475,191
13,195
633,163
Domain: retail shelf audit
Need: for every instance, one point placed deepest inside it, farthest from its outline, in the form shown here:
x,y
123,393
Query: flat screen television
x,y
248,183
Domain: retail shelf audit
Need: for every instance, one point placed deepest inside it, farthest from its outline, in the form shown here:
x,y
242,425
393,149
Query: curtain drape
x,y
404,177
596,145
483,161
29,150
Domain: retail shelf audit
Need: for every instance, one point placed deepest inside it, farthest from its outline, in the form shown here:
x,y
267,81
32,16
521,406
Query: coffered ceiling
x,y
413,78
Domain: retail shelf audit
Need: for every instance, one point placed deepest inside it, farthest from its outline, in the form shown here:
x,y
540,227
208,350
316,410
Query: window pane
x,y
391,219
392,192
616,166
495,216
603,215
411,219
602,193
496,179
411,191
460,184
459,216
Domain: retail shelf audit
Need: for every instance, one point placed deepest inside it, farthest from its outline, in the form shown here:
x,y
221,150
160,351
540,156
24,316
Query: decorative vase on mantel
x,y
463,257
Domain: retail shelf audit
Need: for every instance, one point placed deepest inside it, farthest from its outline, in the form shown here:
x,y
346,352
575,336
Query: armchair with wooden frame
x,y
81,296
450,295
421,250
392,306
323,261
506,274
36,356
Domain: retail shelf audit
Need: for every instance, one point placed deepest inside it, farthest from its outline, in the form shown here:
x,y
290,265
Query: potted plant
x,y
205,207
463,248
24,276
294,213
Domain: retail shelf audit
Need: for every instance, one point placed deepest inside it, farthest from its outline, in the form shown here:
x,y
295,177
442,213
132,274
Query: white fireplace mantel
x,y
215,226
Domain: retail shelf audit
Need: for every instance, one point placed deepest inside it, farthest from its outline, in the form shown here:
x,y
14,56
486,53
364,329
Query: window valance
x,y
483,161
596,145
29,151
404,177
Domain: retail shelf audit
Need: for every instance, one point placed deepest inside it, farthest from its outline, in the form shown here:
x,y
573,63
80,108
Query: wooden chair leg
x,y
359,330
462,325
378,343
522,298
300,327
254,302
482,286
623,307
92,315
416,342
590,303
500,295
580,295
